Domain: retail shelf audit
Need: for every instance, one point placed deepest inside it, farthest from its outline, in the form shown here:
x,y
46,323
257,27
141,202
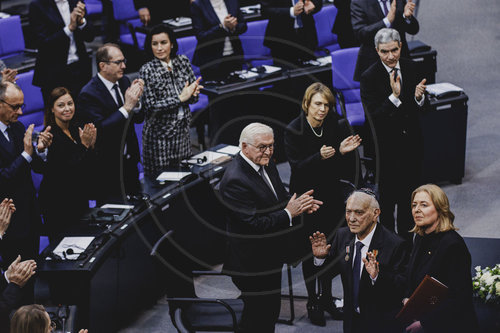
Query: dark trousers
x,y
261,297
392,196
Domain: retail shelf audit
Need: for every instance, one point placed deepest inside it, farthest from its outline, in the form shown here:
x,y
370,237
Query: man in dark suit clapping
x,y
109,101
18,156
392,95
370,260
260,212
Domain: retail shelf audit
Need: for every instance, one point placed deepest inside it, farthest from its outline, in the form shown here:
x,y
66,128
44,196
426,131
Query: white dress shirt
x,y
395,100
63,7
221,11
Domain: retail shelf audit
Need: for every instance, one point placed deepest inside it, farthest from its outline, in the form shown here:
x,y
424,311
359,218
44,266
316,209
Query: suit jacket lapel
x,y
349,262
105,96
7,146
53,12
209,9
375,8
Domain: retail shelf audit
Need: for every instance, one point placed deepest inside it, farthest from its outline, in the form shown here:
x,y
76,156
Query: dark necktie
x,y
118,96
384,6
10,134
261,172
394,72
356,276
299,18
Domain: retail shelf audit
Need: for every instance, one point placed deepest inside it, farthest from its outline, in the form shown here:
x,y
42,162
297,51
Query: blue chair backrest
x,y
11,36
252,42
93,7
324,20
343,64
33,113
124,12
187,46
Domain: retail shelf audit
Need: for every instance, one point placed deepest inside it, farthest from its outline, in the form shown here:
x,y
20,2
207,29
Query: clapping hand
x,y
326,152
76,16
189,90
349,144
395,84
320,248
230,22
420,89
305,203
409,9
7,208
133,94
391,15
19,272
88,135
44,140
298,8
9,75
309,7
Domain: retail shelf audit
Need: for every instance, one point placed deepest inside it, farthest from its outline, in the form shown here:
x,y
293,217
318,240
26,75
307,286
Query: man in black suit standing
x,y
260,213
369,16
152,12
392,96
18,157
371,261
60,30
16,275
109,101
291,31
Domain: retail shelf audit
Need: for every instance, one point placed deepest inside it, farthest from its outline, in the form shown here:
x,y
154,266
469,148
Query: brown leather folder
x,y
428,295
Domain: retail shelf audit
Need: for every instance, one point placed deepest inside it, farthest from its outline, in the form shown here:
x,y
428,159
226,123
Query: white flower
x,y
478,268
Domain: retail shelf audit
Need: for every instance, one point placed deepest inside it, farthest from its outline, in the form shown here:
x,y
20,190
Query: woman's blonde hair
x,y
314,89
440,201
29,319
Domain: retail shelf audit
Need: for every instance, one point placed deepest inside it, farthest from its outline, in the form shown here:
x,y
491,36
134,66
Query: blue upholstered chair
x,y
327,40
93,7
125,13
11,37
349,101
252,42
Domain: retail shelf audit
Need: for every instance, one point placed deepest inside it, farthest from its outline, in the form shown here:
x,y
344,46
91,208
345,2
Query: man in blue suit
x,y
18,157
260,213
60,30
109,101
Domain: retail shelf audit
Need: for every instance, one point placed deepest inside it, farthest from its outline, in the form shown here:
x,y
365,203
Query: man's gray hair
x,y
386,35
249,133
373,203
3,88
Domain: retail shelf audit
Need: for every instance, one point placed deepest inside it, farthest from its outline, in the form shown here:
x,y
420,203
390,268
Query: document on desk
x,y
229,149
172,176
179,21
268,69
76,244
117,206
443,89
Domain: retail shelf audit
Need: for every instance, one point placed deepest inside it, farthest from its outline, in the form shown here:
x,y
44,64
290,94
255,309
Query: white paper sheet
x,y
77,244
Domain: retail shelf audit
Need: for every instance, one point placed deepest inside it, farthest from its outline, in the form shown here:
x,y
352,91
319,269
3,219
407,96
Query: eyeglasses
x,y
15,107
263,148
117,62
53,326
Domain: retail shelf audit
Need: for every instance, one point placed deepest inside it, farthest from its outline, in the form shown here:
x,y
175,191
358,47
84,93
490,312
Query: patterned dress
x,y
165,135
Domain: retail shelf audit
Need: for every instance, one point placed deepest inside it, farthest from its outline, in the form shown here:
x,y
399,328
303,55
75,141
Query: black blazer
x,y
96,105
445,257
53,43
64,191
210,35
9,300
281,24
397,133
380,302
255,219
16,183
367,18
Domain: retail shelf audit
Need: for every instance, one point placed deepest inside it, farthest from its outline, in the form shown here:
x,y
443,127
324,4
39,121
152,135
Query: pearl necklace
x,y
318,135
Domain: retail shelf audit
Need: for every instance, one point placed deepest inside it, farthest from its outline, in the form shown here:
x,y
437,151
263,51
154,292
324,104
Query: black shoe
x,y
315,314
330,307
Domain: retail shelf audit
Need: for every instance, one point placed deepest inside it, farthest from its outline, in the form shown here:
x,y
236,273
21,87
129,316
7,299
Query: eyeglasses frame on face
x,y
263,148
117,62
15,107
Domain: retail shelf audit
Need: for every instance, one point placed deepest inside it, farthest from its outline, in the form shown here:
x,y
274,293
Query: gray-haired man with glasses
x,y
18,156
